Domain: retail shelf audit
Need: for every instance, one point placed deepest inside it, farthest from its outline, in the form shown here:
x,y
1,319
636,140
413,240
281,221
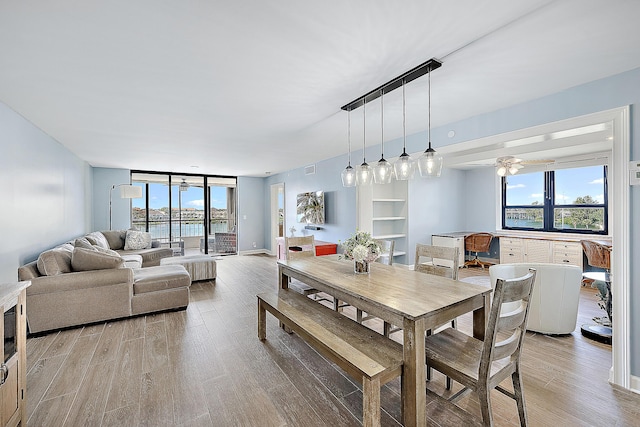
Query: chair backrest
x,y
386,247
478,242
299,247
440,252
513,323
598,255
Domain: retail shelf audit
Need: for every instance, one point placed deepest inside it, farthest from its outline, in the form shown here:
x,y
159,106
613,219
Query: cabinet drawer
x,y
510,241
567,247
565,258
511,255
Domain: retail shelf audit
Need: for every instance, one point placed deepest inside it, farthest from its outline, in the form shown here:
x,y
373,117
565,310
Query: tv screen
x,y
310,207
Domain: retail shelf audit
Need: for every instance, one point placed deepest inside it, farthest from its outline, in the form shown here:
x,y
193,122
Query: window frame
x,y
549,207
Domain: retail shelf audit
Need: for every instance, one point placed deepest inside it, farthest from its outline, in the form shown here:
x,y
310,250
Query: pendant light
x,y
382,170
430,163
404,166
349,173
364,172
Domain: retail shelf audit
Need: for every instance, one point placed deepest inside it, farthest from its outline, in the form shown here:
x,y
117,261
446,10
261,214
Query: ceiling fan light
x,y
501,171
430,163
513,169
364,174
349,177
382,172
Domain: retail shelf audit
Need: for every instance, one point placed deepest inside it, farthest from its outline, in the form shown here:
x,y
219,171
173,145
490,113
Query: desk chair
x,y
599,255
386,248
481,366
477,242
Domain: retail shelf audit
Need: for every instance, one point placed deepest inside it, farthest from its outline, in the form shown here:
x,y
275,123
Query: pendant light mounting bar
x,y
409,76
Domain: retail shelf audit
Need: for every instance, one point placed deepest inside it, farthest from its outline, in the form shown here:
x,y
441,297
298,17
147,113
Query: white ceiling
x,y
246,87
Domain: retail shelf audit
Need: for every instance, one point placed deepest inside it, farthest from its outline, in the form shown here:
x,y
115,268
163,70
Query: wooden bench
x,y
365,355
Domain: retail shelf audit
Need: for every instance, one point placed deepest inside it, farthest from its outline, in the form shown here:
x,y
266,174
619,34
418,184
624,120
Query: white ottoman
x,y
199,267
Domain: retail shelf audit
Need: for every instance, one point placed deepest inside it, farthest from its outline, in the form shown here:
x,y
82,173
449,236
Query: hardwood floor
x,y
206,367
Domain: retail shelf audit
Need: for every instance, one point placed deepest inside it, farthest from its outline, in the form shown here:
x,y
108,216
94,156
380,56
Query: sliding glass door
x,y
187,212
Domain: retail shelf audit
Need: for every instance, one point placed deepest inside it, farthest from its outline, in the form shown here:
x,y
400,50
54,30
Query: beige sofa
x,y
73,284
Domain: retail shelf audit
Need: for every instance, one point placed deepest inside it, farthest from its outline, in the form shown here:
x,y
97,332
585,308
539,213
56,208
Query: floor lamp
x,y
127,191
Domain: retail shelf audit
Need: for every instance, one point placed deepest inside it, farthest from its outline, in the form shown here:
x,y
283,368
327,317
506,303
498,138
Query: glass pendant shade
x,y
364,174
348,177
404,167
382,172
430,163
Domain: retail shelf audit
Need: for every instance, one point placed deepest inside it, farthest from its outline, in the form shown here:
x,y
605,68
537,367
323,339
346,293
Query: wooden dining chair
x,y
386,248
480,366
303,247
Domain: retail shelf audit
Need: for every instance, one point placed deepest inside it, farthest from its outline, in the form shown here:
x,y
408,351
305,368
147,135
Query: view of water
x,y
161,230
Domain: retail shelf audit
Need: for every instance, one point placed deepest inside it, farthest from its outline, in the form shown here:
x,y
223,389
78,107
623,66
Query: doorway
x,y
277,221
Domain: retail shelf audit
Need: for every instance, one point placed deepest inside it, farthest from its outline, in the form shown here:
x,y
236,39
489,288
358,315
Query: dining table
x,y
415,301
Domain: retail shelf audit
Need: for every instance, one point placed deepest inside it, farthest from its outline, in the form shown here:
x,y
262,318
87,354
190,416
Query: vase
x,y
361,267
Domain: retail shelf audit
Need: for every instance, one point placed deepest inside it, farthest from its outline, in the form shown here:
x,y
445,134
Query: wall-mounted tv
x,y
310,207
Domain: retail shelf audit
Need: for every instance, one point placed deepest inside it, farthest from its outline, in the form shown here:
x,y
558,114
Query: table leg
x,y
480,318
414,399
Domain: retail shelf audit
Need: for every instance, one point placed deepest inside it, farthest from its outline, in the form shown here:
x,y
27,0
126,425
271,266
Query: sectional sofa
x,y
101,276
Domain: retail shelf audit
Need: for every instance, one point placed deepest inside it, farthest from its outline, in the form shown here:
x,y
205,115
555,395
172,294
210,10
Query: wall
x,y
46,196
103,180
459,193
251,206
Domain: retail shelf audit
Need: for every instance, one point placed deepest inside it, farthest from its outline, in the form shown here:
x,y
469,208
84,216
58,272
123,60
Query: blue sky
x,y
525,188
192,198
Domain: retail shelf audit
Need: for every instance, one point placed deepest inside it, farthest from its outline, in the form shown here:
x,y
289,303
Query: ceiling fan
x,y
511,165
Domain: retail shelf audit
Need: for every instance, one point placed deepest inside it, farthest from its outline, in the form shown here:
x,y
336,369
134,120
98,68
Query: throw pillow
x,y
137,240
55,261
115,238
82,242
87,259
97,239
105,251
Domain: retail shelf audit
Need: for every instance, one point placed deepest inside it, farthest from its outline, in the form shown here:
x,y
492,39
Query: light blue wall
x,y
462,205
251,207
45,196
103,179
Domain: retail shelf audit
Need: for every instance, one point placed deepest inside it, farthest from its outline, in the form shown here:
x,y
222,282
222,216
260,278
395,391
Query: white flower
x,y
360,253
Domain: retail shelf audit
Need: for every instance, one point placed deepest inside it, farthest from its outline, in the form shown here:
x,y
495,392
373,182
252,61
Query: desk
x,y
417,301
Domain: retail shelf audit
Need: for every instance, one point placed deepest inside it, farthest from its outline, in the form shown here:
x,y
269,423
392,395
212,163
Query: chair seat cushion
x,y
159,278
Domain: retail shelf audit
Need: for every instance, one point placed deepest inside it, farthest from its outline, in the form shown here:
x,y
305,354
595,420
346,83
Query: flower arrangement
x,y
361,247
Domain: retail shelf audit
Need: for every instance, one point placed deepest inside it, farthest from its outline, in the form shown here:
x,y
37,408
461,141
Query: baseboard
x,y
635,384
254,252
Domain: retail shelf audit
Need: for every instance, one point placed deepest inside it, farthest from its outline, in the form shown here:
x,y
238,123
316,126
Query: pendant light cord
x,y
404,118
382,122
429,115
364,133
349,134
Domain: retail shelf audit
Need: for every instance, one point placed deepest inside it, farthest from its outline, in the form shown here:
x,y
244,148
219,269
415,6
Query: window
x,y
565,200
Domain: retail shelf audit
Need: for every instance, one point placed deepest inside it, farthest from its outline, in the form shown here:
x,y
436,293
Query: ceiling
x,y
250,87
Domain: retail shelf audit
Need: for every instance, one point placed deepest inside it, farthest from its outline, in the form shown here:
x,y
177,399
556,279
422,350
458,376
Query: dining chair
x,y
436,260
386,248
479,365
477,242
299,247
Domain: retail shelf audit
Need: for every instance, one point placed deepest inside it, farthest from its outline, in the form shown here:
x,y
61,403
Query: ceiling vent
x,y
310,170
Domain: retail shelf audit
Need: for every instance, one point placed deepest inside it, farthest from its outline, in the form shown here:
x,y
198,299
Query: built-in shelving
x,y
382,211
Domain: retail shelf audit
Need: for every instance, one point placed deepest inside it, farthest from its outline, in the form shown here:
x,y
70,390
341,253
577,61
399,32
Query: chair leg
x,y
516,377
484,397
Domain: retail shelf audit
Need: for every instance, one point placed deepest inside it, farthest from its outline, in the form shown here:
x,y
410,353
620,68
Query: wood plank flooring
x,y
206,367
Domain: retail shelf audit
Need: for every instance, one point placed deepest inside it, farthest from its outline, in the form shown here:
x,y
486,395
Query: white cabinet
x,y
382,211
540,250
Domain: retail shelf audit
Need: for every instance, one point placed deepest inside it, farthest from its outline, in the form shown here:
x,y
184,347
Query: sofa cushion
x,y
55,261
137,240
97,239
105,251
159,278
132,260
88,259
115,238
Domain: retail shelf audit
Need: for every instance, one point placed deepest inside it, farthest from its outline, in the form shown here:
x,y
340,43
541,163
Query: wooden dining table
x,y
416,301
